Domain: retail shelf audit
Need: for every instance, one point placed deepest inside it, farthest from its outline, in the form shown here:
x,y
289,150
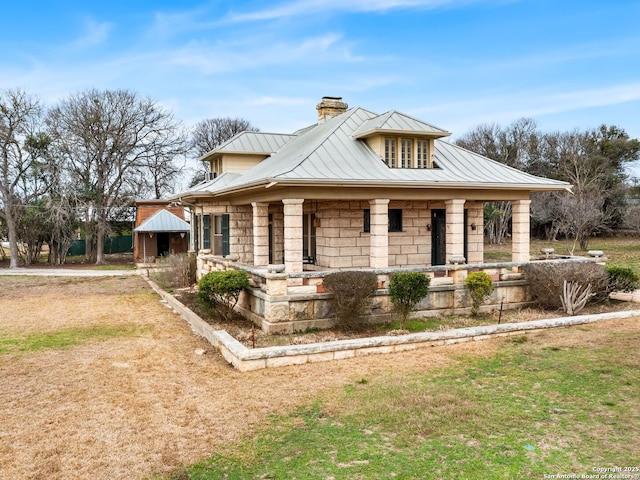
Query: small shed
x,y
160,230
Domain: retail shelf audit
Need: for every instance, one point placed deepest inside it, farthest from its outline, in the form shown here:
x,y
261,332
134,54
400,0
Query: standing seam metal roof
x,y
329,152
253,142
395,121
163,221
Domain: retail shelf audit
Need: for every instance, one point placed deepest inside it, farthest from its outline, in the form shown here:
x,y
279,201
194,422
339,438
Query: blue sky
x,y
456,64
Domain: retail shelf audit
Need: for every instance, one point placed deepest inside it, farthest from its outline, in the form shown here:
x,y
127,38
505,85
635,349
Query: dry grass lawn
x,y
126,406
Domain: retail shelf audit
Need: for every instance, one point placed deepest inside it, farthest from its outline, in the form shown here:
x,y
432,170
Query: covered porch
x,y
319,233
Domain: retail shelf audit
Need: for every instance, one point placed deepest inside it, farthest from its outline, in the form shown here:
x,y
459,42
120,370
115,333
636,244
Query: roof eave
x,y
207,157
272,182
413,133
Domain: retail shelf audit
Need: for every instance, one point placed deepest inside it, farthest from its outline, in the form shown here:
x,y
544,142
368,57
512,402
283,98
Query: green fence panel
x,y
122,244
78,247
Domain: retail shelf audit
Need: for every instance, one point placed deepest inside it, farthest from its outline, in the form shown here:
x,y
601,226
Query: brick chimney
x,y
330,107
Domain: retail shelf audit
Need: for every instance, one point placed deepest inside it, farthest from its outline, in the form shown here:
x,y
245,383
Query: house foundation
x,y
290,302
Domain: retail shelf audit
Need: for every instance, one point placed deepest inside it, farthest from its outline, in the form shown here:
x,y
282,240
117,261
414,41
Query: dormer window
x,y
405,156
216,166
406,153
422,154
390,152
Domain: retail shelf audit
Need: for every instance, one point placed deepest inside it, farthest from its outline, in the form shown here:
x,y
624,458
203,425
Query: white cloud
x,y
311,7
95,34
461,115
254,53
269,100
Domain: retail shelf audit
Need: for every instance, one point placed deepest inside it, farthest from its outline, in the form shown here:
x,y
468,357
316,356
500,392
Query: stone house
x,y
356,190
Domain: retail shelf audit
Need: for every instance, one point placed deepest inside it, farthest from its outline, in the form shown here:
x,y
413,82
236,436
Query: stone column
x,y
455,228
260,233
293,234
475,232
379,236
520,231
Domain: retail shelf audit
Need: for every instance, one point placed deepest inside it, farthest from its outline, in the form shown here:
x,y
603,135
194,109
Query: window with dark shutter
x,y
206,231
225,235
196,233
395,220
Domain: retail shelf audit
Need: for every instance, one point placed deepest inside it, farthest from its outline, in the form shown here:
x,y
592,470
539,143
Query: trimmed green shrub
x,y
546,281
221,290
480,286
622,279
406,289
351,292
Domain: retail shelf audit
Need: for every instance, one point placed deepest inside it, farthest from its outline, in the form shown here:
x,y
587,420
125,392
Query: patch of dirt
x,y
126,407
253,337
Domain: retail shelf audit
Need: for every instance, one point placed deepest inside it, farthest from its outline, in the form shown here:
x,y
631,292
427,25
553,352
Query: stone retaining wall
x,y
245,359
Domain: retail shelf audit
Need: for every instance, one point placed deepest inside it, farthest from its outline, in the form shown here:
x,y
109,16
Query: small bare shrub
x,y
176,270
546,281
351,292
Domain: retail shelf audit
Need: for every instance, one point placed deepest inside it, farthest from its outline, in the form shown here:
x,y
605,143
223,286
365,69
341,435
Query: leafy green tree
x,y
406,289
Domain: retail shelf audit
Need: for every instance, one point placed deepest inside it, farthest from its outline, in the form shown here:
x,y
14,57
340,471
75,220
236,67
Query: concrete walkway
x,y
66,272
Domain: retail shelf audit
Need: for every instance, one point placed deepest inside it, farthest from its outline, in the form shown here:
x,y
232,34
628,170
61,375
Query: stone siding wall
x,y
241,233
341,242
412,246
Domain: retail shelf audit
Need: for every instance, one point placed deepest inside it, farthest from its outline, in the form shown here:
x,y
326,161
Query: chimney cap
x,y
330,107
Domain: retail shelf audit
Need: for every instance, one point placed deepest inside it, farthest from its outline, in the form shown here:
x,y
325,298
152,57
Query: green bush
x,y
221,290
622,279
546,281
406,289
480,287
351,292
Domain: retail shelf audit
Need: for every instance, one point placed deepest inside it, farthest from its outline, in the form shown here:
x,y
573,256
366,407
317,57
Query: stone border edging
x,y
245,359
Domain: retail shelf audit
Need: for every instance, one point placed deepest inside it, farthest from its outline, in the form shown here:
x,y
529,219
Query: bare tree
x,y
497,221
112,140
592,162
582,217
61,222
209,133
632,219
20,161
514,145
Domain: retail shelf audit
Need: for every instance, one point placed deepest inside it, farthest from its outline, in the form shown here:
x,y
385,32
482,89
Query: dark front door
x,y
163,244
438,237
466,235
